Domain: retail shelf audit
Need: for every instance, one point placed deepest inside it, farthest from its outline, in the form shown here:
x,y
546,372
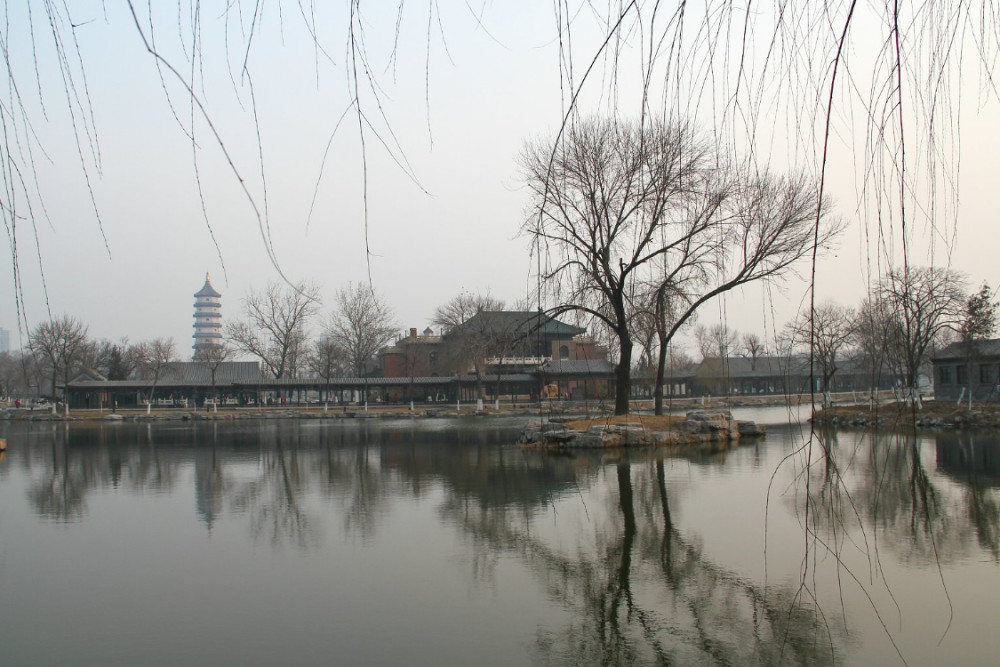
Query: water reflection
x,y
930,500
642,593
597,531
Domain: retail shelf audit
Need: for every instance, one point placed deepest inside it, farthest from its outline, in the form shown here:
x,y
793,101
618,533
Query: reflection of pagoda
x,y
207,318
209,485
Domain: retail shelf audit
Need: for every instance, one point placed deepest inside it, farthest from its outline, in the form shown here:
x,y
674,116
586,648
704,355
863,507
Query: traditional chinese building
x,y
207,318
960,368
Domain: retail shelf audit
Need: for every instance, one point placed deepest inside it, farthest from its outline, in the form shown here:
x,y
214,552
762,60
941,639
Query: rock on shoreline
x,y
934,415
697,427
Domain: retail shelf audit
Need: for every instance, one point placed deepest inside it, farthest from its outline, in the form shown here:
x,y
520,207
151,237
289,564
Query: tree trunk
x,y
661,362
623,375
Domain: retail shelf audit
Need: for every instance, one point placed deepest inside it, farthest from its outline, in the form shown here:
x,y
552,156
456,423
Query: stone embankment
x,y
695,428
932,415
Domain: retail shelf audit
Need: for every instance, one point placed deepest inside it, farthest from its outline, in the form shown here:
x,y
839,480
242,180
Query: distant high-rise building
x,y
207,317
4,341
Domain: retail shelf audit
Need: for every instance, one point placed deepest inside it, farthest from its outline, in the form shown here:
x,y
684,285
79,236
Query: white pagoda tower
x,y
207,317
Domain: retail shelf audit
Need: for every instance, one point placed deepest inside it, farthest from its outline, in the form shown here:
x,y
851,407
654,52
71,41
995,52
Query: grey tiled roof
x,y
504,377
187,374
228,372
520,323
592,367
987,348
771,366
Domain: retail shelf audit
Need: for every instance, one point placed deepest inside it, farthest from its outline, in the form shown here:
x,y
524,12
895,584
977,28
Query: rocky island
x,y
640,430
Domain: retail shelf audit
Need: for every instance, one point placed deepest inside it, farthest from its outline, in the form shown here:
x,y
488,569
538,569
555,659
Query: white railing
x,y
517,361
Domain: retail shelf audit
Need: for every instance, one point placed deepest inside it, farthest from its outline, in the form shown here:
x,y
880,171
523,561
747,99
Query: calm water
x,y
437,542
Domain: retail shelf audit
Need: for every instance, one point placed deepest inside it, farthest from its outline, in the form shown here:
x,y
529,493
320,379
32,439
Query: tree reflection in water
x,y
638,588
878,498
641,593
66,463
881,495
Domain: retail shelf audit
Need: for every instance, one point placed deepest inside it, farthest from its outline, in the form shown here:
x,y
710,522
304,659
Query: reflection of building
x,y
968,458
207,317
954,367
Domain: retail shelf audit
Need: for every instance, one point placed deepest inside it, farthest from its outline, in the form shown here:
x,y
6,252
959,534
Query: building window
x,y
985,374
944,374
563,352
963,375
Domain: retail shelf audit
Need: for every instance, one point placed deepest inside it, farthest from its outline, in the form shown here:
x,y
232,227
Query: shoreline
x,y
547,409
934,415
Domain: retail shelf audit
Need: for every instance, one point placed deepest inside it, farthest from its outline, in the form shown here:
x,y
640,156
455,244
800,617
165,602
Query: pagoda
x,y
207,318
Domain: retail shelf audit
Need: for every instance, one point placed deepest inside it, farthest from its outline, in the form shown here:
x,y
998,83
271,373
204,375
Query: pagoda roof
x,y
207,289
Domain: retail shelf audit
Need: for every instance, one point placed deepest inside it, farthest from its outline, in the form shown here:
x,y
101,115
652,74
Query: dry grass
x,y
651,422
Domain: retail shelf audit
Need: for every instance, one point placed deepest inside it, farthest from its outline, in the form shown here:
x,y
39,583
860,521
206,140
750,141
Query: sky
x,y
436,213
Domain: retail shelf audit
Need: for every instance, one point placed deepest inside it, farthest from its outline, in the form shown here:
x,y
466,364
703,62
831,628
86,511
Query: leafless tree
x,y
827,329
59,345
922,303
467,344
872,329
610,199
620,205
464,306
153,358
327,360
753,348
667,299
361,325
212,356
274,326
717,340
489,333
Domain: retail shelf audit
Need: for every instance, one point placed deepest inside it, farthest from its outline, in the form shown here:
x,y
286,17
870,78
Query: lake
x,y
438,541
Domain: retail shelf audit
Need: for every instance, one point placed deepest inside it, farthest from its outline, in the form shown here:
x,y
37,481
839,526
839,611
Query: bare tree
x,y
361,325
59,346
611,199
772,223
717,340
921,304
873,326
621,205
326,359
274,326
153,357
489,333
752,348
462,307
212,356
827,329
474,343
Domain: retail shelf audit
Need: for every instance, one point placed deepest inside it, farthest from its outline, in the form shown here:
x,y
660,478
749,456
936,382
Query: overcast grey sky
x,y
461,95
